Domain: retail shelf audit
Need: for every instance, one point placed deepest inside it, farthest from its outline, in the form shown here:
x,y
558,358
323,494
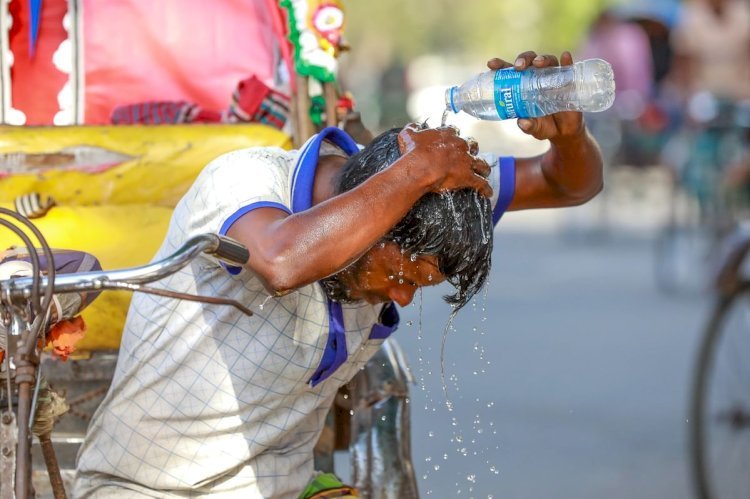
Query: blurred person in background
x,y
626,47
711,43
710,80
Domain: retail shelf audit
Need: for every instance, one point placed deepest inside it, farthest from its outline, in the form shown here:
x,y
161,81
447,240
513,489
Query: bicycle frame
x,y
25,317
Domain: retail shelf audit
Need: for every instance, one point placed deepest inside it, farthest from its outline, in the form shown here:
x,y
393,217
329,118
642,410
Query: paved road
x,y
568,380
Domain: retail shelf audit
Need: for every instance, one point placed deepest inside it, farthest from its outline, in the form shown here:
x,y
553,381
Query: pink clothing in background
x,y
626,47
193,50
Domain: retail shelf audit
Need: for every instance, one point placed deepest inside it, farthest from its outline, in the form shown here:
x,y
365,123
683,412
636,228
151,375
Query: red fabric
x,y
35,82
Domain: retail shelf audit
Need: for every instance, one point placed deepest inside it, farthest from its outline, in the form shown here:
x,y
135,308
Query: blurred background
x,y
571,377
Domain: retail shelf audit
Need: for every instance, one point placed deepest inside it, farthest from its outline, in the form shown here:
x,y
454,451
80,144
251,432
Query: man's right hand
x,y
443,159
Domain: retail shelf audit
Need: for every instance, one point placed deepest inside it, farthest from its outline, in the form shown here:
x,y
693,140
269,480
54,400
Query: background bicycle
x,y
708,195
720,403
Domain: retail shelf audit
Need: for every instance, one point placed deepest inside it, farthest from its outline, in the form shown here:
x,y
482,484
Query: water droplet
x,y
409,323
413,257
430,433
383,418
445,457
471,477
429,277
351,412
264,302
346,396
437,467
427,459
400,281
391,277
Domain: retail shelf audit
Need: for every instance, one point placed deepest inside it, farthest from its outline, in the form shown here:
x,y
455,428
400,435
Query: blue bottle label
x,y
508,93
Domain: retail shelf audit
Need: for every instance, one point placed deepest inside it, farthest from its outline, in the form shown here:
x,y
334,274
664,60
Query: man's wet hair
x,y
454,226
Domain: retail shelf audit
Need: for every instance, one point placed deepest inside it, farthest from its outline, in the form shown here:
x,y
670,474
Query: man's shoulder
x,y
271,156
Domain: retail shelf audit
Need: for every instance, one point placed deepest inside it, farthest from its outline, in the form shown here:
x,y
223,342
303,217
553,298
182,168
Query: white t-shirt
x,y
206,400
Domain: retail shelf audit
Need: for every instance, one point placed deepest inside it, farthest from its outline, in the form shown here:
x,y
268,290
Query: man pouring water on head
x,y
208,401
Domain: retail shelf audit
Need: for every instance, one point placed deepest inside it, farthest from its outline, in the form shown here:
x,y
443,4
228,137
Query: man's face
x,y
385,274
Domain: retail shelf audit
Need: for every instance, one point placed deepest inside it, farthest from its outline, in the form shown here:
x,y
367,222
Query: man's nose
x,y
403,295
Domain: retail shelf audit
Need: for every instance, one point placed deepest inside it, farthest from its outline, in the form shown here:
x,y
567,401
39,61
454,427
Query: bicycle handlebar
x,y
222,247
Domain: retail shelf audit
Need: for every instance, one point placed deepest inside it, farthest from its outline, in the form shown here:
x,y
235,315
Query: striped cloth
x,y
162,113
252,102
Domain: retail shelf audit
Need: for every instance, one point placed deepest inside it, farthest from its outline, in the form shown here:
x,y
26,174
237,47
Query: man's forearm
x,y
288,252
573,166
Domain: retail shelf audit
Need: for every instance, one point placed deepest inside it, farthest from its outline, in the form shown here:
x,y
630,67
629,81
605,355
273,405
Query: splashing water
x,y
446,113
485,236
456,217
448,328
268,298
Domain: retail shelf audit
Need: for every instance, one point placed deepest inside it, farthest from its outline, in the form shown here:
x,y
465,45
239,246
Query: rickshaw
x,y
109,111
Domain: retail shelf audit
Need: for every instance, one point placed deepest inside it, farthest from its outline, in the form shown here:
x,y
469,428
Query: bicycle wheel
x,y
720,409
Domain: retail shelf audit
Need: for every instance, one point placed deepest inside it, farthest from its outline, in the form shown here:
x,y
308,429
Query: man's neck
x,y
325,173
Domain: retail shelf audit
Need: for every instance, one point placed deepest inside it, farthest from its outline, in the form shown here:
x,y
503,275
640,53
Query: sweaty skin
x,y
290,251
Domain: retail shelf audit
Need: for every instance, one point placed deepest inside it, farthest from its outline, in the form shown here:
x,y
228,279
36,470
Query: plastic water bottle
x,y
587,86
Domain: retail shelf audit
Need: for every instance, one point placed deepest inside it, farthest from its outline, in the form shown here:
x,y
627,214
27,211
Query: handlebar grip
x,y
231,251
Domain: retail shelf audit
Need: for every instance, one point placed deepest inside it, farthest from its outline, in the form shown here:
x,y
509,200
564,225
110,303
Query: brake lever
x,y
185,296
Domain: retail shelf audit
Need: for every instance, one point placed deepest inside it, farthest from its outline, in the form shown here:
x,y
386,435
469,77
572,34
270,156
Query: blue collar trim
x,y
303,179
304,171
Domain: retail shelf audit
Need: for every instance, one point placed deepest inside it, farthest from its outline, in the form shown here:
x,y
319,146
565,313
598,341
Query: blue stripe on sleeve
x,y
507,165
236,216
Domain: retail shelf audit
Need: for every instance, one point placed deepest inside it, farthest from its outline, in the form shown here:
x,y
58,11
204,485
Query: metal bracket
x,y
8,444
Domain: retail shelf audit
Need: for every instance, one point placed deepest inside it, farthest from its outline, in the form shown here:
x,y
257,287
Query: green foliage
x,y
404,29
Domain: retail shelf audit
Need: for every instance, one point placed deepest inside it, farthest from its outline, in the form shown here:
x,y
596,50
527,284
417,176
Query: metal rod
x,y
297,139
331,96
53,468
85,281
184,296
303,108
24,379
